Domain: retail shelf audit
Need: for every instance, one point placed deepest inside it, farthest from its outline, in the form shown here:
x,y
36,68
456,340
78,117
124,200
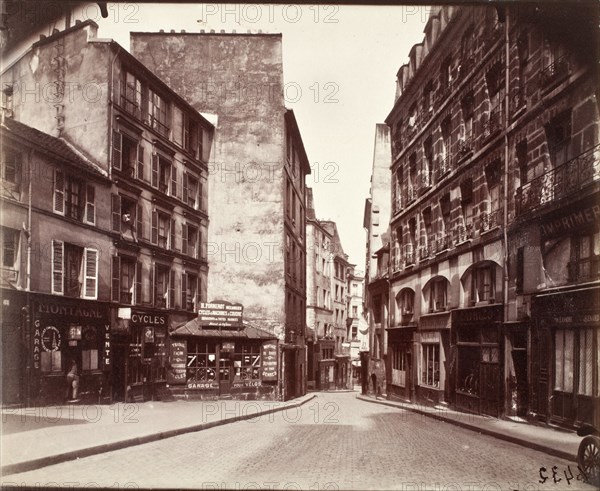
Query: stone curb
x,y
496,434
38,463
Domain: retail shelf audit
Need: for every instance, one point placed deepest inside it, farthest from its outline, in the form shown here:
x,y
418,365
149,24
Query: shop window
x,y
51,361
483,284
191,191
438,295
126,280
128,155
201,361
164,287
127,217
246,362
469,358
558,136
564,359
130,93
587,363
11,165
430,363
585,258
74,270
158,113
74,198
89,359
189,291
136,370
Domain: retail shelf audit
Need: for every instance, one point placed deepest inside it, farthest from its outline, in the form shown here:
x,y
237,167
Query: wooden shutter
x,y
184,290
151,286
116,150
173,181
154,180
139,222
138,283
59,192
202,198
90,289
90,204
140,162
172,235
184,238
204,145
185,188
116,212
154,236
58,253
116,278
171,289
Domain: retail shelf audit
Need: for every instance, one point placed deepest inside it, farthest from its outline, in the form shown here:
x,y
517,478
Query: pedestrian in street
x,y
72,381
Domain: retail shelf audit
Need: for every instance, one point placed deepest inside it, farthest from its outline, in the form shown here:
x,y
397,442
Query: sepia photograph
x,y
310,246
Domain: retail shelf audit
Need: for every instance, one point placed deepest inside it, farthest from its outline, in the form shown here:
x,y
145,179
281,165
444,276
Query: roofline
x,y
222,33
289,114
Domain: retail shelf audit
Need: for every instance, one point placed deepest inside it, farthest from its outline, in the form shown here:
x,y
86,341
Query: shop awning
x,y
193,328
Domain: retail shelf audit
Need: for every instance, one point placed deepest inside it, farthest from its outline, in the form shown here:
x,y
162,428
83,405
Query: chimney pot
x,y
162,31
183,31
222,31
212,31
172,31
202,31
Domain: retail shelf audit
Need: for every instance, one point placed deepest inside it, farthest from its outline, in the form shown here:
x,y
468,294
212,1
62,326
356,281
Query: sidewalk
x,y
40,436
556,442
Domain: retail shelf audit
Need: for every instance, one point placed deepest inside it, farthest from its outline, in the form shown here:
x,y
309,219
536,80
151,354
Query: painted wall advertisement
x,y
176,373
269,361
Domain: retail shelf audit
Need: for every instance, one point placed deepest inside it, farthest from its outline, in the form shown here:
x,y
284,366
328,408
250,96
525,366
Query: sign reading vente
x,y
220,314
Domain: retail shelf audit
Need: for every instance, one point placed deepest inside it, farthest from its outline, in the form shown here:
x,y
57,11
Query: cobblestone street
x,y
333,442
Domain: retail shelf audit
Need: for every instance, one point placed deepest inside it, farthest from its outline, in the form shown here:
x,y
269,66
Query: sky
x,y
340,64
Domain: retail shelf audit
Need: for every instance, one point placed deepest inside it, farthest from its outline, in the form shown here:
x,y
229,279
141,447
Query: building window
x,y
246,362
74,270
430,363
10,170
558,135
127,217
428,98
158,113
190,240
438,295
127,155
201,361
164,288
193,136
126,280
427,171
74,198
178,126
189,291
163,230
483,284
405,302
131,94
191,188
585,258
163,174
467,108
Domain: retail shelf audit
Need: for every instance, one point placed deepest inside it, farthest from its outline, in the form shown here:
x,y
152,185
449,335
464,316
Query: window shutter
x,y
139,222
180,189
197,294
140,162
154,181
173,181
171,289
58,248
116,212
204,145
184,290
154,237
184,238
138,283
116,150
151,287
203,198
116,278
185,188
59,192
91,274
172,235
90,205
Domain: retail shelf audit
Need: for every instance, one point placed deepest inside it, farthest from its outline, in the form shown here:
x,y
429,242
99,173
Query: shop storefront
x,y
139,342
66,331
207,363
565,362
479,360
400,362
326,366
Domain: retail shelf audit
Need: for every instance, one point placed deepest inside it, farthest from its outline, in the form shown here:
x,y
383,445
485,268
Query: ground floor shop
x,y
565,365
400,379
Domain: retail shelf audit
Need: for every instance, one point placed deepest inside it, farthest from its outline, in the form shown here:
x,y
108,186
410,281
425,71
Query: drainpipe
x,y
505,195
27,310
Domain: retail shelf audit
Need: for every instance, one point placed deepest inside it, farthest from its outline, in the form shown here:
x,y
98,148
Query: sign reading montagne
x,y
220,314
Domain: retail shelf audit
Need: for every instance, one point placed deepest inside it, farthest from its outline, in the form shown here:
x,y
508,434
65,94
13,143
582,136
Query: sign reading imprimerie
x,y
220,314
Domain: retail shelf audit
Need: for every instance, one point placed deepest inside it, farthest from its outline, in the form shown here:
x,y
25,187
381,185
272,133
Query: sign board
x,y
269,361
178,356
228,346
220,314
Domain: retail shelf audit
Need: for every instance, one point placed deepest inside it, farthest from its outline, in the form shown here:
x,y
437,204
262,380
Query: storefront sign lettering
x,y
51,339
178,357
246,383
568,223
571,319
269,361
483,314
147,319
37,342
106,356
202,385
223,314
70,311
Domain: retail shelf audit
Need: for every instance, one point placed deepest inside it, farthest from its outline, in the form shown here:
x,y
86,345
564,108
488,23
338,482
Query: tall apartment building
x,y
493,294
376,223
257,245
153,147
357,335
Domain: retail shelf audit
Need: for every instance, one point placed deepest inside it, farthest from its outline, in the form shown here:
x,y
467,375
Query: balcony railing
x,y
587,269
397,203
464,146
564,180
490,220
442,243
466,64
424,182
494,121
462,233
554,72
411,194
409,255
444,167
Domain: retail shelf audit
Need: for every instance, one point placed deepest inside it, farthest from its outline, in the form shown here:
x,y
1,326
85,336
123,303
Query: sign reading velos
x,y
220,314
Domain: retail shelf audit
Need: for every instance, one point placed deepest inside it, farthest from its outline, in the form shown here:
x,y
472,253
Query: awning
x,y
193,328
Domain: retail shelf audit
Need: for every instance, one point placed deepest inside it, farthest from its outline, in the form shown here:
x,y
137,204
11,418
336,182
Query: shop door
x,y
119,371
12,362
225,373
519,357
490,389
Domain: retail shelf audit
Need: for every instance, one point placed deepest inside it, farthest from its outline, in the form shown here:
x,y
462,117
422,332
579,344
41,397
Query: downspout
x,y
505,199
28,306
